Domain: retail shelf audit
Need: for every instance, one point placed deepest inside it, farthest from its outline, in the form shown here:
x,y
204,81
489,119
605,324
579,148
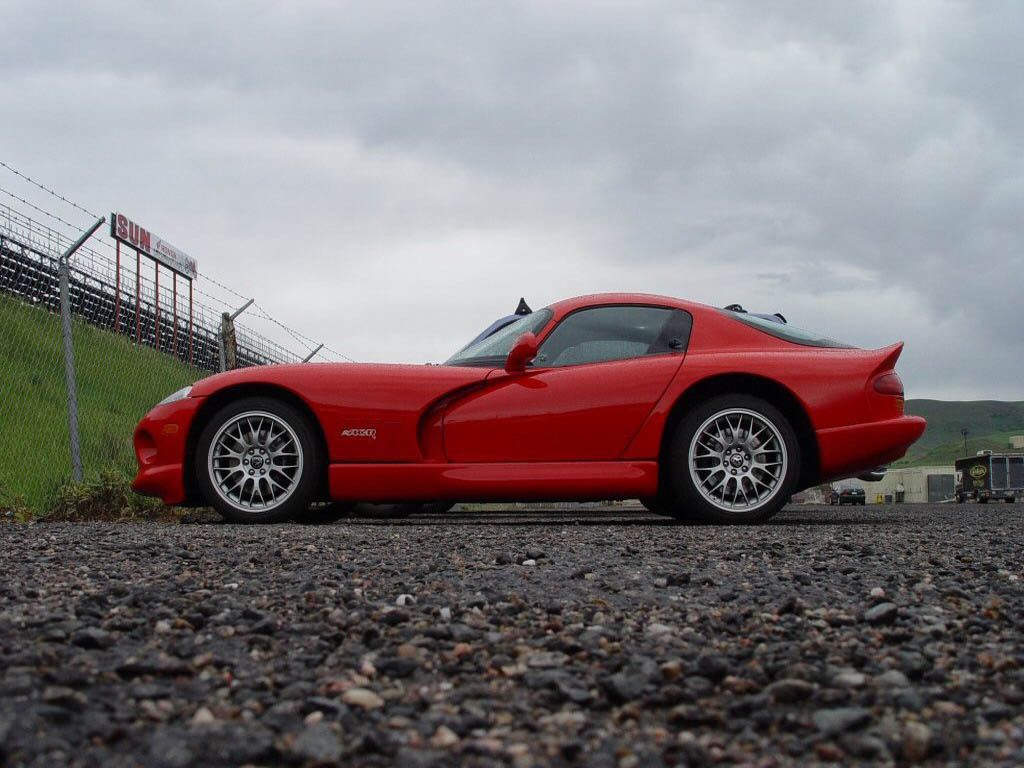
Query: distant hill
x,y
989,424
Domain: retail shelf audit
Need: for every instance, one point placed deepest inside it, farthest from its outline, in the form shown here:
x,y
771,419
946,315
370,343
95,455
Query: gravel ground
x,y
596,637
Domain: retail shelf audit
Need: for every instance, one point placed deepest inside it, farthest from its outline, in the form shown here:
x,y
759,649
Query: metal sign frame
x,y
145,243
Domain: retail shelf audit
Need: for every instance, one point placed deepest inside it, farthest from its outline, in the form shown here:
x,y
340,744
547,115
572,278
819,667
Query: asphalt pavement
x,y
589,636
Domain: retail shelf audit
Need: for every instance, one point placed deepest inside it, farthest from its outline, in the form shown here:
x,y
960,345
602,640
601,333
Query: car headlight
x,y
181,394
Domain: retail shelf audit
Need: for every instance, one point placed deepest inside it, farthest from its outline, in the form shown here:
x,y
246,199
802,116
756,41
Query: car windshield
x,y
495,348
786,332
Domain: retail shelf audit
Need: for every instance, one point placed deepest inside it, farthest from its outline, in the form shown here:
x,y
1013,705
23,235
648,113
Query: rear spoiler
x,y
887,357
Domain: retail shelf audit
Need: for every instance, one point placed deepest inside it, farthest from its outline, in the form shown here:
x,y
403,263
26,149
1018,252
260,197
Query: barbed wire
x,y
86,250
46,189
300,337
36,208
232,291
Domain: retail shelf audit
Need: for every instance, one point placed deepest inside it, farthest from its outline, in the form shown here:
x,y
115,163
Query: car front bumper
x,y
160,449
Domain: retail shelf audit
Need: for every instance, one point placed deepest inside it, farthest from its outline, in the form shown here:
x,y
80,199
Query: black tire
x,y
304,485
982,500
959,498
1010,499
690,503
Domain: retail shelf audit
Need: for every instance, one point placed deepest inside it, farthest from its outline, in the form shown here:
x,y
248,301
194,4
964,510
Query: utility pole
x,y
963,434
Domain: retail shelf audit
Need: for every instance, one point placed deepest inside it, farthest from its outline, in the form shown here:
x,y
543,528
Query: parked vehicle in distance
x,y
703,413
851,496
989,476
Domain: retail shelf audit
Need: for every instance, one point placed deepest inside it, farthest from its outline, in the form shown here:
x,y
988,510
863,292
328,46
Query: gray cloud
x,y
391,177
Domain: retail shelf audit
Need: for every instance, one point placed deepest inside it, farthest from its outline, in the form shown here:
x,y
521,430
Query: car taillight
x,y
889,384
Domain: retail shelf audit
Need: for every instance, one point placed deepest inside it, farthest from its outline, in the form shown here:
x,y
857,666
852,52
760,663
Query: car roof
x,y
596,299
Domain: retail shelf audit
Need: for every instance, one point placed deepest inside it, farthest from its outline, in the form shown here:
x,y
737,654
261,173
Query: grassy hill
x,y
989,423
947,453
117,383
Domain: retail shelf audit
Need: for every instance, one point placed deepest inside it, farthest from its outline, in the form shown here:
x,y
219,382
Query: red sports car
x,y
702,413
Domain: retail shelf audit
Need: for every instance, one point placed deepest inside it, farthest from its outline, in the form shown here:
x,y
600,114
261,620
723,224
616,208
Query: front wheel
x,y
733,459
258,461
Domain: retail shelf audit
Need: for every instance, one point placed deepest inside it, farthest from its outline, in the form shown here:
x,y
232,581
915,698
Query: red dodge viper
x,y
702,413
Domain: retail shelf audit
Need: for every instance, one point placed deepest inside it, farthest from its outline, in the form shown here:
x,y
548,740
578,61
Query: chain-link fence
x,y
136,331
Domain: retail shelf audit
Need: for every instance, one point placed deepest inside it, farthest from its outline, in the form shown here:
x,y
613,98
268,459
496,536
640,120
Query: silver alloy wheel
x,y
737,460
255,461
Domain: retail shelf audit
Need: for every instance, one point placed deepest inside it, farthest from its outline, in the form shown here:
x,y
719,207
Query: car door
x,y
596,377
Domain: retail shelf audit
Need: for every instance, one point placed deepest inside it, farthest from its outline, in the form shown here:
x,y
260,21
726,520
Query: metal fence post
x,y
69,350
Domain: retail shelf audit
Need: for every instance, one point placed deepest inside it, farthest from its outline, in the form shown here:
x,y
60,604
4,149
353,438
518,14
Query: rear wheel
x,y
258,461
733,459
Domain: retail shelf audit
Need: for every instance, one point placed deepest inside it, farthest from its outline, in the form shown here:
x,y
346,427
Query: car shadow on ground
x,y
591,516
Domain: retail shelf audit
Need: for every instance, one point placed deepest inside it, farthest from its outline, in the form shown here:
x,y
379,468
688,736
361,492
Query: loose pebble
x,y
875,636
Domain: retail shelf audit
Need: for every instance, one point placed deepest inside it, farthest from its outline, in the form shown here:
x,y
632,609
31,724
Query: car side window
x,y
601,334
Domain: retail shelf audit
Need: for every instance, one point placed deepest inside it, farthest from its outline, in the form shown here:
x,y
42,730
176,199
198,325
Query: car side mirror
x,y
521,354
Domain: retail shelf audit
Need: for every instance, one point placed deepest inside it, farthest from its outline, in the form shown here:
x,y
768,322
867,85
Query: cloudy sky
x,y
390,177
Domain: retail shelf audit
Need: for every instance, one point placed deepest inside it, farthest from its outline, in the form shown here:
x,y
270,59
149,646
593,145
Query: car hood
x,y
368,385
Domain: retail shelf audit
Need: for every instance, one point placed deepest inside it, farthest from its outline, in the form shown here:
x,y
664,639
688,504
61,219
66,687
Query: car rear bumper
x,y
848,451
160,444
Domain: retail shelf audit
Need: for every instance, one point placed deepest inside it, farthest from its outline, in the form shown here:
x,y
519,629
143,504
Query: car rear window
x,y
786,332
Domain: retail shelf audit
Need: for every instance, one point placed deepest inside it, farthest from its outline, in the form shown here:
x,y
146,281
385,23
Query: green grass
x,y
117,383
981,418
